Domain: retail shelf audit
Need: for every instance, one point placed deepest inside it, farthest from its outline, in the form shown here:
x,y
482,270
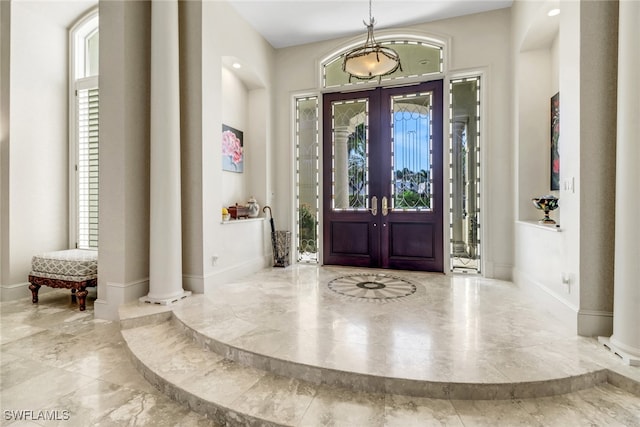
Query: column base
x,y
629,359
164,301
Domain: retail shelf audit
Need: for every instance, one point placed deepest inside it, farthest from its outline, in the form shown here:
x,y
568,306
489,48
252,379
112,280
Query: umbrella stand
x,y
280,242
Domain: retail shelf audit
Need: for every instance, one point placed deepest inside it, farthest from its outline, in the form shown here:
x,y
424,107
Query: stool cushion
x,y
72,264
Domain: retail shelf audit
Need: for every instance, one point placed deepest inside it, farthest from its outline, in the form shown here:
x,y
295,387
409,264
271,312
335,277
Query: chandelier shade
x,y
370,60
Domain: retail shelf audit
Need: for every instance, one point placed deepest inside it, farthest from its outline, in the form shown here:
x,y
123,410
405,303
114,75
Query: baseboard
x,y
116,295
193,283
552,303
593,323
14,291
497,271
237,271
19,290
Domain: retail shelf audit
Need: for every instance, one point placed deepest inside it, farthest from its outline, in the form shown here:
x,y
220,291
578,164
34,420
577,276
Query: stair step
x,y
232,393
558,373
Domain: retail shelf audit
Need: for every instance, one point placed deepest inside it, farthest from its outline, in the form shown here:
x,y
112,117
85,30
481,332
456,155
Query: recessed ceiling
x,y
289,23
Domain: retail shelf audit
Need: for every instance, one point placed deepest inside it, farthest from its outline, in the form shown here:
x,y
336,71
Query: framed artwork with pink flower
x,y
555,136
232,149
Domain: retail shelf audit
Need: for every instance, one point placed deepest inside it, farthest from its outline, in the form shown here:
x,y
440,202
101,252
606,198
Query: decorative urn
x,y
547,204
254,207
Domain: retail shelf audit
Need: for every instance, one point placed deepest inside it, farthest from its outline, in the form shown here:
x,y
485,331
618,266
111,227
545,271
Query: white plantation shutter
x,y
87,168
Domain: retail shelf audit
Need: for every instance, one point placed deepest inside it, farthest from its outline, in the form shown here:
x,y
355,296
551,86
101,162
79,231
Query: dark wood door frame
x,y
400,240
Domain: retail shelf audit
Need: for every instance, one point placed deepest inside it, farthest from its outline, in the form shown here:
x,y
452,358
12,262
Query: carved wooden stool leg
x,y
34,292
82,298
73,295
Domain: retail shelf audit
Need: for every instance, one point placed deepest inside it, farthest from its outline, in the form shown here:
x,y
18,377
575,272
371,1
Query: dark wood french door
x,y
382,178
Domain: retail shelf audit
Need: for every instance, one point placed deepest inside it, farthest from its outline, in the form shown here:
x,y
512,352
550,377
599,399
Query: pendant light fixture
x,y
371,60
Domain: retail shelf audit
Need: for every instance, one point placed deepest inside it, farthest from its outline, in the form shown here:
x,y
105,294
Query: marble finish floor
x,y
55,358
452,329
62,364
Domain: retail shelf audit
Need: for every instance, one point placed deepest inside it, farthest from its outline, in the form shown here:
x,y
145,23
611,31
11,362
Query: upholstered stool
x,y
74,269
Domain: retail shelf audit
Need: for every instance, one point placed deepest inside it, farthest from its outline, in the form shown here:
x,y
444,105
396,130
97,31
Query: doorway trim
x,y
362,231
446,76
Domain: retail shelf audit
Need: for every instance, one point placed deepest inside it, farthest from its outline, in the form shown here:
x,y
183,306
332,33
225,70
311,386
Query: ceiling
x,y
294,22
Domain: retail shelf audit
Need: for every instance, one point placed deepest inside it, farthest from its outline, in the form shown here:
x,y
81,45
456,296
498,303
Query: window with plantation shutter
x,y
87,168
84,43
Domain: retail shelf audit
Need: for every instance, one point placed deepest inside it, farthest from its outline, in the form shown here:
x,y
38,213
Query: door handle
x,y
385,207
374,206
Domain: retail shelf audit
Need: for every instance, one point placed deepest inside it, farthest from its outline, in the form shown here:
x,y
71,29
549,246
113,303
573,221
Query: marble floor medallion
x,y
377,287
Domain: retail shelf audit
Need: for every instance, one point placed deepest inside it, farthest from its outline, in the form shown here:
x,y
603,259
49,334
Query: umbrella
x,y
273,227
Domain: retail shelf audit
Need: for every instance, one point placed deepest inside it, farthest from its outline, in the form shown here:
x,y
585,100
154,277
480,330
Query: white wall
x,y
479,43
579,62
35,186
5,45
239,248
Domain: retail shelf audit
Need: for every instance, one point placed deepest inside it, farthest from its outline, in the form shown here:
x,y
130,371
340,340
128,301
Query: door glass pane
x,y
411,161
350,154
464,187
307,152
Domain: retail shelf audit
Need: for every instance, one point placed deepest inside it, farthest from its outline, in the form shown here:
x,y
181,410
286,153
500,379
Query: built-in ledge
x,y
554,228
238,221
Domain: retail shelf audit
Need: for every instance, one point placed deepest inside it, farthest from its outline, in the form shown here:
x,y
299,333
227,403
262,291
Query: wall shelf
x,y
553,228
239,221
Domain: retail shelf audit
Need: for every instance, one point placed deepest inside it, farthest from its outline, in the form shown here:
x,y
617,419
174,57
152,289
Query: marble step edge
x,y
183,393
623,382
219,413
356,381
135,314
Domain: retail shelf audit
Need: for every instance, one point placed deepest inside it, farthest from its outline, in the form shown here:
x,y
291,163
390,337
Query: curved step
x,y
207,383
446,337
323,375
236,395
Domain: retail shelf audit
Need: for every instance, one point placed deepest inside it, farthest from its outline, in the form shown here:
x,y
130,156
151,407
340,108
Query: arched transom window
x,y
418,59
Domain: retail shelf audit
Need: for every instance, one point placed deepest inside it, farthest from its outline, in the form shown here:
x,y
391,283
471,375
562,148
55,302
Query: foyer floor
x,y
371,347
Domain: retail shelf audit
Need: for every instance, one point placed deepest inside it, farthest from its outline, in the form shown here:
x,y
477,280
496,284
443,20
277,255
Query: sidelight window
x,y
307,178
464,183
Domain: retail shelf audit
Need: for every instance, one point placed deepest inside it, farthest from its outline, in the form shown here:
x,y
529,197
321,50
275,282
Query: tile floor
x,y
65,363
61,363
420,326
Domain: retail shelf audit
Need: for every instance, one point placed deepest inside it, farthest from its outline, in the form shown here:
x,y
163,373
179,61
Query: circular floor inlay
x,y
377,287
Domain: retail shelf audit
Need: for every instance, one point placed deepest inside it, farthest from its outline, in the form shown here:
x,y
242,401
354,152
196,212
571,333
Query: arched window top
x,y
85,39
419,57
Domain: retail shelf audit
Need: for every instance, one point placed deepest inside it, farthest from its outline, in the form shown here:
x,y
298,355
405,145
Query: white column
x,y
165,234
625,340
